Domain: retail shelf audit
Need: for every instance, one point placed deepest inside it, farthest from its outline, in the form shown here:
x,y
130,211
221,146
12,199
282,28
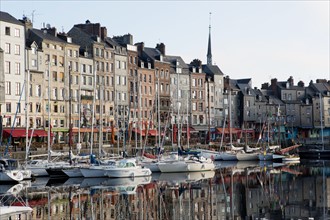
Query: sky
x,y
260,40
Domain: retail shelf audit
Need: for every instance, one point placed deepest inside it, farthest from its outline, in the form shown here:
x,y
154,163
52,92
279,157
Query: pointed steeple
x,y
209,53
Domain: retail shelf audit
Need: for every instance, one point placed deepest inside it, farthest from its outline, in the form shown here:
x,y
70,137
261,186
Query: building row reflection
x,y
285,192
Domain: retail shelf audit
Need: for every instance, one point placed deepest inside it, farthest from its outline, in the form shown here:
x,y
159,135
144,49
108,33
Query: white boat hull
x,y
227,156
185,166
128,172
11,176
93,171
15,212
73,172
213,155
247,156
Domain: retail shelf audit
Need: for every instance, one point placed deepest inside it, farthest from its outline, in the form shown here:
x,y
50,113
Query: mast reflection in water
x,y
249,190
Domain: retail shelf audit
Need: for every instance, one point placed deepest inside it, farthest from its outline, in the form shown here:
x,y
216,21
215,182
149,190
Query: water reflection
x,y
237,190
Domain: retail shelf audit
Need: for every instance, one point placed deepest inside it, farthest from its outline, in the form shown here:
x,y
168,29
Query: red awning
x,y
143,132
41,133
154,132
21,132
227,130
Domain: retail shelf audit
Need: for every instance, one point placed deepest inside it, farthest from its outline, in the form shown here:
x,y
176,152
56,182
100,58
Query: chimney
x,y
140,48
273,82
50,30
321,81
290,80
90,28
27,24
301,84
103,33
264,86
125,39
161,48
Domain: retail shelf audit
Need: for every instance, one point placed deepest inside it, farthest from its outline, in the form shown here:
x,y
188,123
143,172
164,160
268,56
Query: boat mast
x,y
178,106
70,115
134,116
49,126
26,115
92,109
230,128
158,110
101,118
79,113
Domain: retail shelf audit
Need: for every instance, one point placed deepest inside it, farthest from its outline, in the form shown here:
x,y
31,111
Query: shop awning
x,y
143,132
190,130
227,130
154,132
21,132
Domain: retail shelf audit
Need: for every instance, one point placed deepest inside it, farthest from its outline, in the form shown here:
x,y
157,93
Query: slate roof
x,y
152,53
212,70
173,59
39,35
4,16
322,88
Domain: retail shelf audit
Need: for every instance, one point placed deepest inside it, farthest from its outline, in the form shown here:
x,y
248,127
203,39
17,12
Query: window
x,y
8,107
7,31
124,65
17,32
62,93
8,88
194,106
69,52
61,77
54,60
38,90
17,68
55,93
7,48
54,76
7,67
84,68
200,107
117,64
17,49
34,50
18,88
19,107
33,63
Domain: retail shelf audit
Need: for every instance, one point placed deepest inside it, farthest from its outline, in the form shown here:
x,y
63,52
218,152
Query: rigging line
x,y
12,127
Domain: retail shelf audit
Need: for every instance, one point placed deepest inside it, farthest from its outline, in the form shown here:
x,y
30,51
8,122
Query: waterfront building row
x,y
113,84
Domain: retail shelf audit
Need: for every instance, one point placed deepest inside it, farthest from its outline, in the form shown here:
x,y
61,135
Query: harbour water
x,y
236,190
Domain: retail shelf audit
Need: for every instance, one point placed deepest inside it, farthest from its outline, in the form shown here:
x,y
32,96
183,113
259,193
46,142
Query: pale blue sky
x,y
250,39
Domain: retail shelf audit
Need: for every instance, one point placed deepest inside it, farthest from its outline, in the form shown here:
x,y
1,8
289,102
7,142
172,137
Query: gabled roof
x,y
246,89
212,70
38,36
275,100
322,88
112,42
152,53
4,16
173,61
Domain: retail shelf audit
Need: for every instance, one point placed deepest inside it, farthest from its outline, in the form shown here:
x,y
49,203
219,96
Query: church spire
x,y
209,53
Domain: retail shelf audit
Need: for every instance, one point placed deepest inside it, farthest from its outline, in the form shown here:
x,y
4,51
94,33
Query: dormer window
x,y
149,65
69,39
194,70
142,65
